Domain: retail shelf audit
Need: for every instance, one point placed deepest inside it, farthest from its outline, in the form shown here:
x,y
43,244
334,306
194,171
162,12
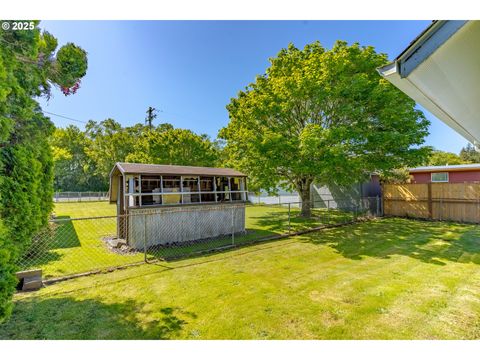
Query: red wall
x,y
453,177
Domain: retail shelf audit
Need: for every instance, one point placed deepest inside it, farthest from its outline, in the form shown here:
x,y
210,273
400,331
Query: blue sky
x,y
190,69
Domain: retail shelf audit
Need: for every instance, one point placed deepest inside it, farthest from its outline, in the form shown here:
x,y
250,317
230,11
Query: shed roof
x,y
463,167
155,169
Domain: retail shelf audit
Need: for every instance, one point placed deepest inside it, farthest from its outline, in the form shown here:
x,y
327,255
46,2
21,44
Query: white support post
x,y
161,189
181,189
199,190
215,188
131,189
229,188
125,197
242,187
140,190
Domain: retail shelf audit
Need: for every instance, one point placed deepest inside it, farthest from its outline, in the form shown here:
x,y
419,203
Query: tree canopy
x,y
84,159
28,69
174,146
325,116
438,157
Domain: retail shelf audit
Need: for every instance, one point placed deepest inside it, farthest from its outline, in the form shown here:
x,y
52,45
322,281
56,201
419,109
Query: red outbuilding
x,y
445,174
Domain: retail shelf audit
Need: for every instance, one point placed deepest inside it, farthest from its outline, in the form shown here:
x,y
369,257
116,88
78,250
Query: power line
x,y
65,117
86,122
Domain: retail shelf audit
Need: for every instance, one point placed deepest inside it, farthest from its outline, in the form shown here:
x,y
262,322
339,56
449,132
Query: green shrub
x,y
26,161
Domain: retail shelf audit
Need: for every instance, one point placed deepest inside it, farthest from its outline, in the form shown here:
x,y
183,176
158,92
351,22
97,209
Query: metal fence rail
x,y
78,196
73,246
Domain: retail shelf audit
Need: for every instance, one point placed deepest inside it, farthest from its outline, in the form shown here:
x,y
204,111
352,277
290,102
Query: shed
x,y
167,204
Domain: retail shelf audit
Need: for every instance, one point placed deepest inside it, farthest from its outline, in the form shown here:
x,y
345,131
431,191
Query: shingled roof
x,y
154,169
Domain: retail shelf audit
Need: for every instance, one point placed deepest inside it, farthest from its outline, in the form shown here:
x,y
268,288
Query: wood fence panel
x,y
444,201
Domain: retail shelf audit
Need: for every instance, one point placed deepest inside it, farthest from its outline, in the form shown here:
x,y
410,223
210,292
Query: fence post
x,y
233,225
441,209
378,206
289,218
328,212
145,238
430,202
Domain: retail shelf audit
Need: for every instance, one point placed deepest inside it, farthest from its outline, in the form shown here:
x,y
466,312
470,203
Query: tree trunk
x,y
303,188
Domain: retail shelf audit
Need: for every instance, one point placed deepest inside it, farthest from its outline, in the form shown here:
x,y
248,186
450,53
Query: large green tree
x,y
323,116
29,68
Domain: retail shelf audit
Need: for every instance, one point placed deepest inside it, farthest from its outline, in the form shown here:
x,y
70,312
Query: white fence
x,y
274,200
75,196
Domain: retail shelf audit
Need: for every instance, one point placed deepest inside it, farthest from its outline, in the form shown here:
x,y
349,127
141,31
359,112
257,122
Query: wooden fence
x,y
438,201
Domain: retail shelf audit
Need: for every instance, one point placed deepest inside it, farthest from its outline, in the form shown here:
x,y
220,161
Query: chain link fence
x,y
76,196
72,246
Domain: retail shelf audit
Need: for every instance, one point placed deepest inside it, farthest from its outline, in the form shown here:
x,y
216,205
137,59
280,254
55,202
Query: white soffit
x,y
447,82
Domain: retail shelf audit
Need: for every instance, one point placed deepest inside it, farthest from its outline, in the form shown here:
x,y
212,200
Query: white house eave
x,y
390,72
446,82
426,44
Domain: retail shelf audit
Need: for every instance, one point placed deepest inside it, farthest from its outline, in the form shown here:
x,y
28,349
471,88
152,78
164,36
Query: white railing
x,y
244,197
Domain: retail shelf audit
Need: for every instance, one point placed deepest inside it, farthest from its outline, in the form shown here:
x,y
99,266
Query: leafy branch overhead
x,y
63,69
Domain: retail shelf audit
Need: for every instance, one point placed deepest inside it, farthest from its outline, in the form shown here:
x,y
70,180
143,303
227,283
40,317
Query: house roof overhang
x,y
449,168
440,71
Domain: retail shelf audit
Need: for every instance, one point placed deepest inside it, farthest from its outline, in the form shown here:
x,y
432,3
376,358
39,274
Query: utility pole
x,y
151,114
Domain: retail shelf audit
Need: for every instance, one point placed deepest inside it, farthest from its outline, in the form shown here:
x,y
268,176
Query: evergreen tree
x,y
469,154
28,69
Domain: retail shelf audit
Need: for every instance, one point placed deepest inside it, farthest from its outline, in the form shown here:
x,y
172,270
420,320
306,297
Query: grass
x,y
383,279
77,245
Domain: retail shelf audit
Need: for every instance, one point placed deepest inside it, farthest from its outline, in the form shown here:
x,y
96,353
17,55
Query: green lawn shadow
x,y
65,234
52,318
57,235
430,242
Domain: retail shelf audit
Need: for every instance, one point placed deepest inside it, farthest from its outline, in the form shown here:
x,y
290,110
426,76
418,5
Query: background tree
x,y
469,155
84,159
166,145
324,116
72,164
440,158
396,176
28,69
107,143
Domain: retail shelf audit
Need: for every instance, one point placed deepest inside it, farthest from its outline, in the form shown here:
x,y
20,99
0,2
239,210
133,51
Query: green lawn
x,y
76,246
383,279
